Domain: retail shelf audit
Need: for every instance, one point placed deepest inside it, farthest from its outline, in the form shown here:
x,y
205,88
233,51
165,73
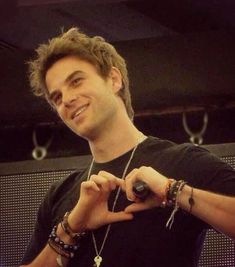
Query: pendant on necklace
x,y
97,261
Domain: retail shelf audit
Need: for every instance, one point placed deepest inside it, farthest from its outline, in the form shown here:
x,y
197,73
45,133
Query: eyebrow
x,y
71,76
67,80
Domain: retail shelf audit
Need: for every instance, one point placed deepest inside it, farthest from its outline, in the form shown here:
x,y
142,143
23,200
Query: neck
x,y
115,142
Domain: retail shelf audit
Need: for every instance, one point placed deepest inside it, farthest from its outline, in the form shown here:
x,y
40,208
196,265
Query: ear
x,y
116,78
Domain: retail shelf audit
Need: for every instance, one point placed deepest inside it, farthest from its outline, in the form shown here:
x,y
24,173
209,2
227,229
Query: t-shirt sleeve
x,y
58,196
42,229
208,172
201,169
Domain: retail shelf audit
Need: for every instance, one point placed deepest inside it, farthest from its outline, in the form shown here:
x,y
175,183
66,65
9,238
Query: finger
x,y
114,180
102,182
135,207
87,185
149,203
119,216
129,181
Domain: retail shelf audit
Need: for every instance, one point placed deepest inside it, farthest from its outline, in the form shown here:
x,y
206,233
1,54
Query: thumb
x,y
120,216
135,207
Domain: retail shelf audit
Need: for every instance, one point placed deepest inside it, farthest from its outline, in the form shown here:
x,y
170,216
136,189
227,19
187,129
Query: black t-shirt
x,y
143,241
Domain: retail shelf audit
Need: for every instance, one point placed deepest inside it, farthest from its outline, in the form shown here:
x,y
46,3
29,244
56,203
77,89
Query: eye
x,y
75,82
56,99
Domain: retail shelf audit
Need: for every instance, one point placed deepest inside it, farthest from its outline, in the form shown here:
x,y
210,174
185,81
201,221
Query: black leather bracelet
x,y
191,201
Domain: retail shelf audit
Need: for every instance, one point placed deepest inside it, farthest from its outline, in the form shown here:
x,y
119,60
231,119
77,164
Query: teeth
x,y
79,111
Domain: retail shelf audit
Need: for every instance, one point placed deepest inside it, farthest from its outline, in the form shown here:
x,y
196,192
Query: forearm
x,y
216,210
48,256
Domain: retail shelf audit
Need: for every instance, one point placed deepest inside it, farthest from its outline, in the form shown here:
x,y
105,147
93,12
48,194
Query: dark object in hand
x,y
141,189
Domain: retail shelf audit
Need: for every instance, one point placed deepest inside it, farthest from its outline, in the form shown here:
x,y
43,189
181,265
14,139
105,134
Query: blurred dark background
x,y
180,54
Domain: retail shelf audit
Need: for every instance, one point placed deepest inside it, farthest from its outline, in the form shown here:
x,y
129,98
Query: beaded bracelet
x,y
65,250
67,229
164,202
59,250
174,189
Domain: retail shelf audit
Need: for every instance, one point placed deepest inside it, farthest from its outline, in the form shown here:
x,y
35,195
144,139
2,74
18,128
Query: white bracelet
x,y
59,261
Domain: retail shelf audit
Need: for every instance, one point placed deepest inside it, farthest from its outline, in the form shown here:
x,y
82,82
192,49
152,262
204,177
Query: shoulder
x,y
167,147
67,181
59,189
156,144
163,155
63,186
195,164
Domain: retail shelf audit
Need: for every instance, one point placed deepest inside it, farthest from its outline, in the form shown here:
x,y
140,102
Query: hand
x,y
91,210
155,181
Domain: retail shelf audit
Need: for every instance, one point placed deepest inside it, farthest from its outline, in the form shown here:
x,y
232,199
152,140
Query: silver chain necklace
x,y
98,258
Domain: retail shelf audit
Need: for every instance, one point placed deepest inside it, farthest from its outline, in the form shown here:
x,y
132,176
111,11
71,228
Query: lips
x,y
79,111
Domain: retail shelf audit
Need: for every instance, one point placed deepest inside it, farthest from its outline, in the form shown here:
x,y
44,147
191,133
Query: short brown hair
x,y
95,50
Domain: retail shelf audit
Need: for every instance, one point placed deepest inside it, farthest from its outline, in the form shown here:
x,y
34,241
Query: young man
x,y
86,81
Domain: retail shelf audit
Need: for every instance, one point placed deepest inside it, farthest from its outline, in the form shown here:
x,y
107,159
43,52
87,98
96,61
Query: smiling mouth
x,y
79,111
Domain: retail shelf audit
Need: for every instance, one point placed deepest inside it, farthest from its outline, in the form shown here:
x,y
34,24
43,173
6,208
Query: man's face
x,y
85,101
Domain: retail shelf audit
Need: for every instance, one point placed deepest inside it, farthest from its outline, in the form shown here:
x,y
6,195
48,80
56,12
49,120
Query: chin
x,y
81,131
85,130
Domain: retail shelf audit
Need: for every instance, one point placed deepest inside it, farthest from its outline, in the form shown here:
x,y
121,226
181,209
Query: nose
x,y
68,99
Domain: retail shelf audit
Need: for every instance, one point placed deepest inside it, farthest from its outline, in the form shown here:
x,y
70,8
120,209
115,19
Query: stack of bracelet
x,y
173,190
65,250
67,229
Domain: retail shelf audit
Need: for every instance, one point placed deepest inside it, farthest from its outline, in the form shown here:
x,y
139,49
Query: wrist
x,y
62,248
165,192
68,246
63,235
74,225
186,199
173,191
65,224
